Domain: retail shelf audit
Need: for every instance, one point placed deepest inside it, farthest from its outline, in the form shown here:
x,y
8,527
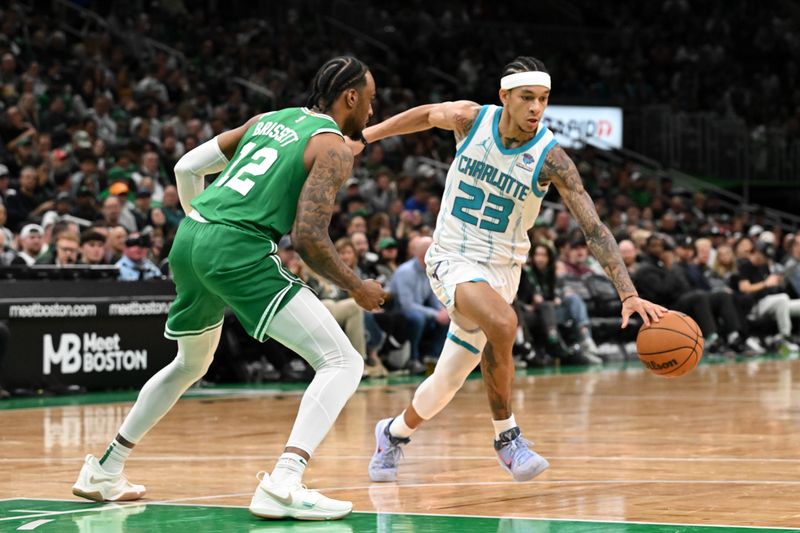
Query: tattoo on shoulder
x,y
463,125
559,169
557,163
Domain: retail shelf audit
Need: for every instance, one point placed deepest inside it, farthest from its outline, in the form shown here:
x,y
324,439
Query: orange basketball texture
x,y
672,347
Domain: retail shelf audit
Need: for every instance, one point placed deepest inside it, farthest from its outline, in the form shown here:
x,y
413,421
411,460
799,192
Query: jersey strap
x,y
328,130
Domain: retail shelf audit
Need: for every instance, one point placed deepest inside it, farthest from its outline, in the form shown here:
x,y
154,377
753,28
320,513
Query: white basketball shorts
x,y
446,270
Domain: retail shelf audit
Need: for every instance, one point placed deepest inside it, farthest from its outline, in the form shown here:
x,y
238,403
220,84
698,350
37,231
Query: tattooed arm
x,y
457,117
331,163
559,170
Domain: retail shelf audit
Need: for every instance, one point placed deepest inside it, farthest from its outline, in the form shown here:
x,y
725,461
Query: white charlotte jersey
x,y
492,196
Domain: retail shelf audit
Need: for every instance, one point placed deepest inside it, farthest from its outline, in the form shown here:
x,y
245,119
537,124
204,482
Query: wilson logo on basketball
x,y
656,366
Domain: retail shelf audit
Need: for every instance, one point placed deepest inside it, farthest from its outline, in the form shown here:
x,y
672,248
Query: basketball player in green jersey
x,y
279,172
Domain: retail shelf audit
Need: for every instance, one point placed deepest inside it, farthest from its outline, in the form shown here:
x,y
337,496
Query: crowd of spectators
x,y
91,126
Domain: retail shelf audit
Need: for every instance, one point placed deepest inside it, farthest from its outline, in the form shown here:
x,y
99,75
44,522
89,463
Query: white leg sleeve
x,y
162,390
460,355
307,327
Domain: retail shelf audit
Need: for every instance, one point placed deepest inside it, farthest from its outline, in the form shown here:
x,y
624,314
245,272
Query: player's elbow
x,y
437,115
182,168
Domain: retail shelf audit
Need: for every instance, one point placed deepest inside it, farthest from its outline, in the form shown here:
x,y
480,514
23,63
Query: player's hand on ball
x,y
647,310
369,295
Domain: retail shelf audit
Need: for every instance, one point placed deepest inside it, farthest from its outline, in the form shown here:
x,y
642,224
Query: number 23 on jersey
x,y
495,214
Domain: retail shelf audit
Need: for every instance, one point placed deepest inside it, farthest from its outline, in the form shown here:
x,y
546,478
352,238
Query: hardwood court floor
x,y
720,446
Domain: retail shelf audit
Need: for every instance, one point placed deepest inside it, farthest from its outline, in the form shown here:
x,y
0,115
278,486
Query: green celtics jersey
x,y
258,190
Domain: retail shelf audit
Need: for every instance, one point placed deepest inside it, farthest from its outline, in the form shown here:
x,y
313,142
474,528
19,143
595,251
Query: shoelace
x,y
519,443
392,455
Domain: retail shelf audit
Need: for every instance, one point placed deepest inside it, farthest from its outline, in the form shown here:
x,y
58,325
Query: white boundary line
x,y
44,514
568,482
30,526
449,515
191,458
255,392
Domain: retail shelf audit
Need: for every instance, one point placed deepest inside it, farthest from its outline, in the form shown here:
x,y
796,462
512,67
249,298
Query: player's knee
x,y
195,354
357,363
354,365
348,362
502,325
193,367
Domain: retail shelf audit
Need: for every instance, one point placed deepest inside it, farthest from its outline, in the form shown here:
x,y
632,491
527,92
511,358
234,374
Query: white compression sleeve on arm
x,y
193,167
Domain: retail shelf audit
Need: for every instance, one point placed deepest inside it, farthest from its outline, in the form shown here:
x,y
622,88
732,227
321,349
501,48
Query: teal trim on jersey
x,y
476,280
472,130
519,149
463,343
535,181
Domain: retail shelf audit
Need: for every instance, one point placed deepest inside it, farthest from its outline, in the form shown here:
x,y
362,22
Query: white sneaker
x,y
754,346
96,484
276,500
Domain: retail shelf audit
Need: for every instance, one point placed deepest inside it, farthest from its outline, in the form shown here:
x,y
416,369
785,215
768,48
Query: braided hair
x,y
333,78
524,64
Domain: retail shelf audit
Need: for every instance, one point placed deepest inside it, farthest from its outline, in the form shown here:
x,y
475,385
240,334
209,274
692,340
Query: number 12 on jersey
x,y
261,160
495,214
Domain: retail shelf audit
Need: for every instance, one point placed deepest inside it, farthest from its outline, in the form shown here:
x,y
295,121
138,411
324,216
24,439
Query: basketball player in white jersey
x,y
505,161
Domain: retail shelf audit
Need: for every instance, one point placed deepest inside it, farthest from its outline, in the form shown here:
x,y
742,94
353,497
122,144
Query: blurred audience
x,y
427,318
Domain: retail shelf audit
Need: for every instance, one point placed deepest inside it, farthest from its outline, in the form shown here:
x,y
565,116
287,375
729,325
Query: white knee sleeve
x,y
307,327
161,391
460,355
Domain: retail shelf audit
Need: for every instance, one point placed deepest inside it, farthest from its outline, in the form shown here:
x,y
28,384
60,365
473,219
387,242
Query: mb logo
x,y
68,354
89,353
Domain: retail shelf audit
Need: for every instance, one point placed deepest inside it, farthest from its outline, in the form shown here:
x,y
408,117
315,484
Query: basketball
x,y
671,347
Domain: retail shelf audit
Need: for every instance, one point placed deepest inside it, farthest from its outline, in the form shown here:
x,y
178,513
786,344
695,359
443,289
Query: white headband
x,y
525,78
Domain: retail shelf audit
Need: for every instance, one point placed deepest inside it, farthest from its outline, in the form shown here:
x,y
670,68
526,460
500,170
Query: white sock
x,y
289,468
398,428
113,461
503,425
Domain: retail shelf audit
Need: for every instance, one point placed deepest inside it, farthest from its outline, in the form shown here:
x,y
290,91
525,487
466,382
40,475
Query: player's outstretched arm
x,y
457,117
559,170
331,164
208,158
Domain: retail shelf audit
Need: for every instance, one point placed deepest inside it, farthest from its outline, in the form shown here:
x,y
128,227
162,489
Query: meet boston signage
x,y
98,334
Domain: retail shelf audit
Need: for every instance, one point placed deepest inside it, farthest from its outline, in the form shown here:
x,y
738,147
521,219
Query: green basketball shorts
x,y
215,266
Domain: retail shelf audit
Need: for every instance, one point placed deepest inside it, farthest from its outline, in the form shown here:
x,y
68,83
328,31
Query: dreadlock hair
x,y
333,78
524,64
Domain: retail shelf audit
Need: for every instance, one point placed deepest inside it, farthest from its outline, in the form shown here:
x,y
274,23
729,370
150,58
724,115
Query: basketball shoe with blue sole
x,y
516,458
388,452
